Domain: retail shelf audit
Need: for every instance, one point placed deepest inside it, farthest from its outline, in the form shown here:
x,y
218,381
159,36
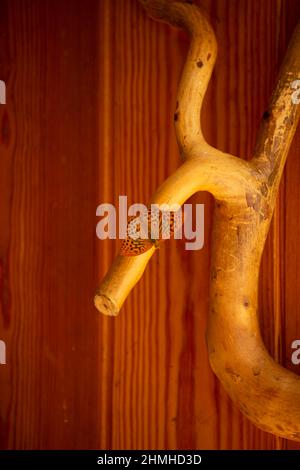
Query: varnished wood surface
x,y
91,92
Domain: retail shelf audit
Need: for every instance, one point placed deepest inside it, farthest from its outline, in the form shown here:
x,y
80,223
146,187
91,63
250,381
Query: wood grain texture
x,y
91,96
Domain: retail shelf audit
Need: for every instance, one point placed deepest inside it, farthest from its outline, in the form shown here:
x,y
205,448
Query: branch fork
x,y
245,194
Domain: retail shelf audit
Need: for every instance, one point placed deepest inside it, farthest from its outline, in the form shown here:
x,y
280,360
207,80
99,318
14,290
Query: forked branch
x,y
245,194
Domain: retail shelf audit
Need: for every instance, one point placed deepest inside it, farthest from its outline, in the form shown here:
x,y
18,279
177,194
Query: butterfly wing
x,y
165,228
136,247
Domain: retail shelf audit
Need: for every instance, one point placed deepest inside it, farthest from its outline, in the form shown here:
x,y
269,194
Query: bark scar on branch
x,y
266,393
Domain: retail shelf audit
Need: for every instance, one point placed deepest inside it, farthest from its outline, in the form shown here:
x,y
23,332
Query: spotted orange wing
x,y
137,246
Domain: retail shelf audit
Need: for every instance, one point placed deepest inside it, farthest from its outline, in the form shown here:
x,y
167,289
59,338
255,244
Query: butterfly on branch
x,y
147,230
